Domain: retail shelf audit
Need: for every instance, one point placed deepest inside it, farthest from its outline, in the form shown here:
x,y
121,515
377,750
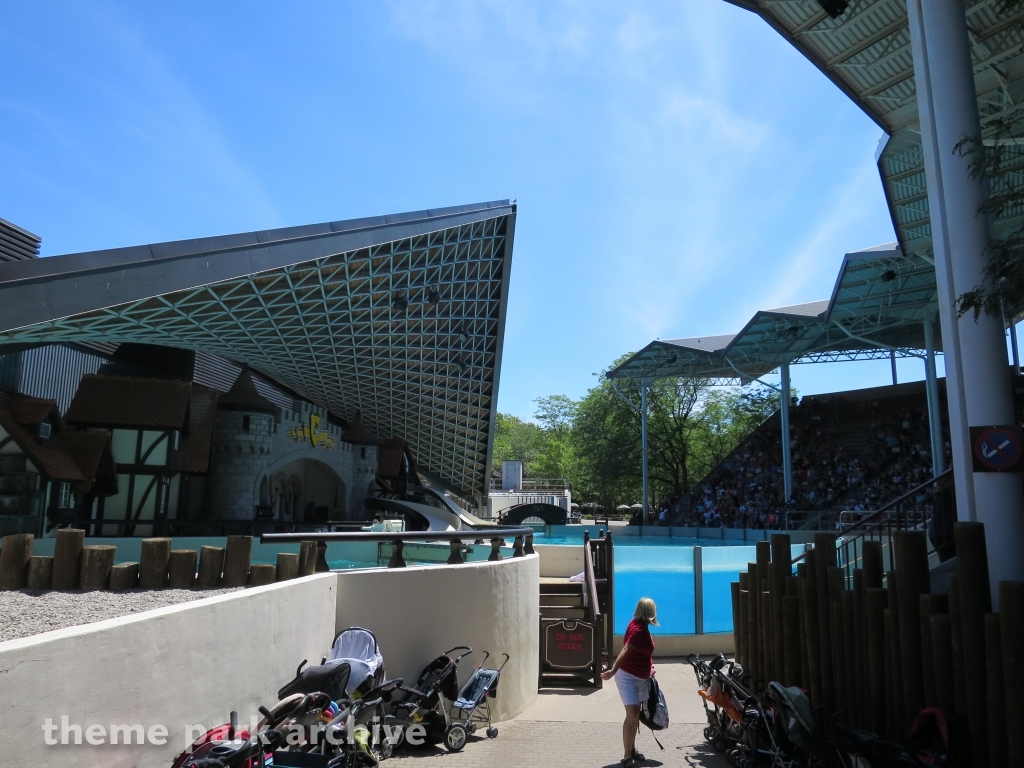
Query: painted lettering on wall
x,y
311,433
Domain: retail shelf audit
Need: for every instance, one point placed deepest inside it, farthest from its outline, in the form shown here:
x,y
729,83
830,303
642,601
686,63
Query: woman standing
x,y
632,671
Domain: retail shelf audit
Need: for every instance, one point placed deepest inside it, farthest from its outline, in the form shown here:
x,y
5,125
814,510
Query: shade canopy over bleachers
x,y
881,301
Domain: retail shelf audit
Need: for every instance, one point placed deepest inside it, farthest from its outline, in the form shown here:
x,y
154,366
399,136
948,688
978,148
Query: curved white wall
x,y
416,613
195,662
185,664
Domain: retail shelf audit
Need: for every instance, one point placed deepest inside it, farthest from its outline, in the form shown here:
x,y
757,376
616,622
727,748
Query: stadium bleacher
x,y
851,451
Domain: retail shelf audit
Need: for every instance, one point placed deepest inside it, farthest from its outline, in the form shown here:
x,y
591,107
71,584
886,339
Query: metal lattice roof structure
x,y
881,300
397,318
866,52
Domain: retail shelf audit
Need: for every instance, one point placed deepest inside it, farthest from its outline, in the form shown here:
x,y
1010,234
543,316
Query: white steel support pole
x,y
787,461
931,387
977,379
643,441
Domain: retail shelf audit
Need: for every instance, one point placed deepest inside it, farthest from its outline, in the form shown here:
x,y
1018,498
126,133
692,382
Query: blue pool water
x,y
662,568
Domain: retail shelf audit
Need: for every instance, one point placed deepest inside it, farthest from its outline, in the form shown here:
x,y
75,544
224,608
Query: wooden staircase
x,y
561,599
580,613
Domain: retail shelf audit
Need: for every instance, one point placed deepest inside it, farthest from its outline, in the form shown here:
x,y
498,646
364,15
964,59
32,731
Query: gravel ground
x,y
29,612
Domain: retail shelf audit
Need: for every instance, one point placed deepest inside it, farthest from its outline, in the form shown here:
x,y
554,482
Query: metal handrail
x,y
503,532
889,506
591,582
881,517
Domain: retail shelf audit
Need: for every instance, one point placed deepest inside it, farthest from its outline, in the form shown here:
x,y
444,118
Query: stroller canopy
x,y
358,648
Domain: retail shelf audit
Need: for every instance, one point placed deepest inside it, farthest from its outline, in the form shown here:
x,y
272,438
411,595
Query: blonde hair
x,y
646,611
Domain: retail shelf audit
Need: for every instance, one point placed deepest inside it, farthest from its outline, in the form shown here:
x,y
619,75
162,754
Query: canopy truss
x,y
879,305
866,52
398,318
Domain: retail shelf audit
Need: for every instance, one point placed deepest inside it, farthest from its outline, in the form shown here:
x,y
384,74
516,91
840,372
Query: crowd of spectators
x,y
853,456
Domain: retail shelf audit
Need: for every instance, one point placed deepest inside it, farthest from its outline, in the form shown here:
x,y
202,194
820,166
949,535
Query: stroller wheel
x,y
720,744
470,728
709,733
735,758
455,737
492,732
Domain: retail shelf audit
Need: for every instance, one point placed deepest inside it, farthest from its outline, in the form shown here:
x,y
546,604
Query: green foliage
x,y
595,442
1003,285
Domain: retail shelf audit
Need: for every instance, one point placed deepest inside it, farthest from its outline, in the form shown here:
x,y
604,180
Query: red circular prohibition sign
x,y
998,448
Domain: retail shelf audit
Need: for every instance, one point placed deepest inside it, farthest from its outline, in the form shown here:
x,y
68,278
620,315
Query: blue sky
x,y
677,165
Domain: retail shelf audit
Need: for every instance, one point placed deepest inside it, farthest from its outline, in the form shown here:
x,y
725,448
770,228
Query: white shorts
x,y
632,689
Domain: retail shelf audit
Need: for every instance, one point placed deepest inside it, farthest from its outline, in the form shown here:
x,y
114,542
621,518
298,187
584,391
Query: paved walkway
x,y
583,727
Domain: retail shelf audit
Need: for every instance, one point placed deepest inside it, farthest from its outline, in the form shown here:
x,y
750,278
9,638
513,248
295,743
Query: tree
x,y
516,440
595,442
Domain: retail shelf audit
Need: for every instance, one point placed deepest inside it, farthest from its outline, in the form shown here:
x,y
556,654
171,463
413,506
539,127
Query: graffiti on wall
x,y
311,433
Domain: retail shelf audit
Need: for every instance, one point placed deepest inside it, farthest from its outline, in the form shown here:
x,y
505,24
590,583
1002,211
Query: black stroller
x,y
464,714
425,703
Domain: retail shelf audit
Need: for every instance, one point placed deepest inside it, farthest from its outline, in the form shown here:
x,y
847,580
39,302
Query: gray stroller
x,y
357,647
465,714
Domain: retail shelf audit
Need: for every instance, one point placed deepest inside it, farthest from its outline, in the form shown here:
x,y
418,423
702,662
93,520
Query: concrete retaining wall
x,y
193,663
559,561
417,613
174,666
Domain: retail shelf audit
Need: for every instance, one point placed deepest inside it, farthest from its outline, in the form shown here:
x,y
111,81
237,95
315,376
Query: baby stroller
x,y
799,741
723,698
463,713
357,647
425,703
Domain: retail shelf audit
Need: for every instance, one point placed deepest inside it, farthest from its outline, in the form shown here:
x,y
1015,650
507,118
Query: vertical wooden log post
x,y
237,558
1011,622
959,665
875,601
931,605
14,556
181,569
766,628
97,560
839,658
825,558
782,569
261,574
942,653
211,566
307,558
796,639
67,558
835,578
287,566
805,668
871,564
40,572
812,637
124,576
896,652
850,663
860,651
891,708
791,639
753,623
975,602
998,755
912,581
766,655
154,563
734,595
744,608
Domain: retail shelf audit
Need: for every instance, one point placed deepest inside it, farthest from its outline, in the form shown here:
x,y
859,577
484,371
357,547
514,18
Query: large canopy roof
x,y
397,318
879,304
866,52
